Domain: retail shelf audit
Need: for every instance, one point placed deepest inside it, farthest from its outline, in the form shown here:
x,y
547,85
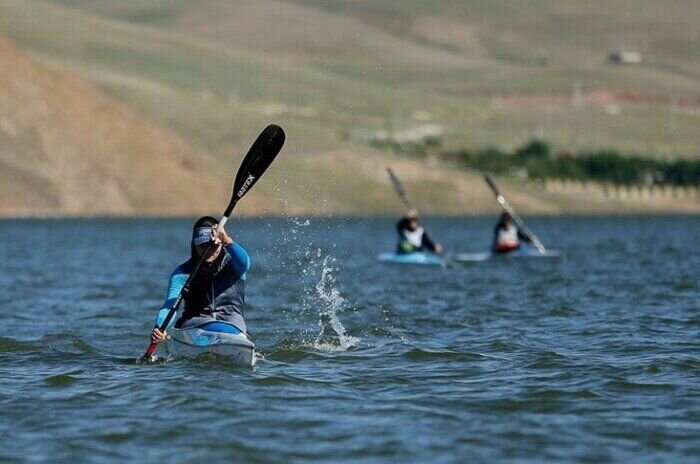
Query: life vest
x,y
415,237
217,294
507,238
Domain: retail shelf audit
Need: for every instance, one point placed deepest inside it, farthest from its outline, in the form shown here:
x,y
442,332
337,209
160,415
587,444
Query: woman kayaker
x,y
412,236
507,236
218,292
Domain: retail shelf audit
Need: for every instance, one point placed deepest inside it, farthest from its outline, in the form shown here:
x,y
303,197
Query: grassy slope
x,y
466,51
67,149
185,84
216,73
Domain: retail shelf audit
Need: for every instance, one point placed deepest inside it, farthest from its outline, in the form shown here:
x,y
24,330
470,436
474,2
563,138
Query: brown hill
x,y
67,149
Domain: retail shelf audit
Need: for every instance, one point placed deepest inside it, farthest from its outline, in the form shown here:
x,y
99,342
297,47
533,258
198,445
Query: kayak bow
x,y
416,257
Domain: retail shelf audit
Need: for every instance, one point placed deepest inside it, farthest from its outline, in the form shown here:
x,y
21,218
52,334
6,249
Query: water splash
x,y
320,298
333,303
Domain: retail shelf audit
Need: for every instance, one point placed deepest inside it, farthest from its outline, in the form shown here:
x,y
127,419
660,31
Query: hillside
x,y
206,76
489,72
67,149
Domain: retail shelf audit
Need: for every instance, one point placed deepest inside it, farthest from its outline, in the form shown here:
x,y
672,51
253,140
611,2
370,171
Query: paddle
x,y
509,209
256,161
401,192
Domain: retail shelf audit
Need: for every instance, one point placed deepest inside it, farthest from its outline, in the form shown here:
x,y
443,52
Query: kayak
x,y
217,338
523,252
416,257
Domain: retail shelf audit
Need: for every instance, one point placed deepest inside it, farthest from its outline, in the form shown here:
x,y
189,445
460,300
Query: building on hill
x,y
624,57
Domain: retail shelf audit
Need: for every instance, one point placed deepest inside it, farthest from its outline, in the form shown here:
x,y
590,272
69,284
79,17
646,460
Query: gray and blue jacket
x,y
217,293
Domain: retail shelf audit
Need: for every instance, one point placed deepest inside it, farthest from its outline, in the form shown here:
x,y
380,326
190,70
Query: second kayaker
x,y
218,291
413,237
506,236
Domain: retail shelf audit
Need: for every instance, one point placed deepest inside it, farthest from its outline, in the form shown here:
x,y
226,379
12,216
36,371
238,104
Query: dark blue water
x,y
595,359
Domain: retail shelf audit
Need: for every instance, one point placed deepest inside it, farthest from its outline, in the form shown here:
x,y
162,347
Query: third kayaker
x,y
507,236
413,237
218,291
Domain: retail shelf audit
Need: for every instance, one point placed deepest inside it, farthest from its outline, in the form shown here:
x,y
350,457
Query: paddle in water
x,y
401,192
518,220
261,154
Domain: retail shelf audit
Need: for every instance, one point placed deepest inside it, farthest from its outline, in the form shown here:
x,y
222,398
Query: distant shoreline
x,y
621,213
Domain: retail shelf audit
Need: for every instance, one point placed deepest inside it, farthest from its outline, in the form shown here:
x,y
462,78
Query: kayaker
x,y
218,291
412,236
507,236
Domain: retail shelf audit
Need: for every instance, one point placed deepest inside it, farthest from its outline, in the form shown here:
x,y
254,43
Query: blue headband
x,y
202,235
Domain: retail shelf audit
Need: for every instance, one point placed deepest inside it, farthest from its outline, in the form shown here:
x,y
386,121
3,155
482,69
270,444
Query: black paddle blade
x,y
492,183
261,154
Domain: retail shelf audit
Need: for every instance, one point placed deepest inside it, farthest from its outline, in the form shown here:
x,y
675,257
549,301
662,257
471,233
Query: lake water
x,y
593,359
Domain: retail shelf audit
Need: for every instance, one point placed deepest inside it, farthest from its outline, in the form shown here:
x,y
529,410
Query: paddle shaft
x,y
518,220
398,188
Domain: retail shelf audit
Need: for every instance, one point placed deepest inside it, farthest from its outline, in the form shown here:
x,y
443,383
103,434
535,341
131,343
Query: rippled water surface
x,y
594,359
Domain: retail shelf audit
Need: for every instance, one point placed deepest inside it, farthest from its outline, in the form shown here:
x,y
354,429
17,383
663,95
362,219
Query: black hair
x,y
505,217
204,221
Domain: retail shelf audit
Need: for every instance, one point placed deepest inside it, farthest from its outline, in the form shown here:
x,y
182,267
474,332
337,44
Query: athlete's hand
x,y
438,248
157,336
412,213
220,236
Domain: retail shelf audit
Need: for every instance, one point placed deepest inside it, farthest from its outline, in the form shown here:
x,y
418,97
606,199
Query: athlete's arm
x,y
430,244
523,237
177,282
240,261
401,226
427,242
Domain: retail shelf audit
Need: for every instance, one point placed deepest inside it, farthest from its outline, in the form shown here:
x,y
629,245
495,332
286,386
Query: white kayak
x,y
416,257
220,339
523,252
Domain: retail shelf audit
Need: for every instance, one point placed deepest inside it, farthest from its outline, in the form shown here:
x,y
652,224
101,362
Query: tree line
x,y
537,161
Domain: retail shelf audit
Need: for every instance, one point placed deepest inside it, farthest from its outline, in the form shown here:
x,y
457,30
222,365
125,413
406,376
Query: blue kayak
x,y
416,257
524,252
